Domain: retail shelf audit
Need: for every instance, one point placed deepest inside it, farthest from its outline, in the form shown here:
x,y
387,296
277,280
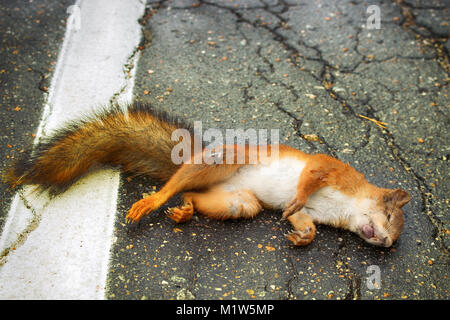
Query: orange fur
x,y
219,204
320,170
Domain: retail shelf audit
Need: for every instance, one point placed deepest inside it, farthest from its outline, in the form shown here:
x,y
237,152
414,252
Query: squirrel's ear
x,y
397,197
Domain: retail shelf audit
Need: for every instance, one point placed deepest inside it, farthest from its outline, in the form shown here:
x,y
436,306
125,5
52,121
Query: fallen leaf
x,y
311,137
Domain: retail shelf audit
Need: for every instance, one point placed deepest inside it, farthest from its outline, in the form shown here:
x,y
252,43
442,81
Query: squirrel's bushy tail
x,y
138,140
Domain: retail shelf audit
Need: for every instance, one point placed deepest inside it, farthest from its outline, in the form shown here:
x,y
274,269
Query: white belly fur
x,y
328,205
274,184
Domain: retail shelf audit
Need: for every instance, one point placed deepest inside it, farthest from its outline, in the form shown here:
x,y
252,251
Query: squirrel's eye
x,y
389,217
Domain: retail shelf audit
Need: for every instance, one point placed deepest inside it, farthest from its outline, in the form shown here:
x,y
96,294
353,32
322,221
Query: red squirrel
x,y
310,189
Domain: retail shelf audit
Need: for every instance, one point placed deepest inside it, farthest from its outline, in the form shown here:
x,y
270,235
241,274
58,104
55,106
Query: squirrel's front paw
x,y
302,237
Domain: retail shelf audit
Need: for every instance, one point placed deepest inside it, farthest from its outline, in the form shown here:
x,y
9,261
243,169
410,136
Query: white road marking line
x,y
66,254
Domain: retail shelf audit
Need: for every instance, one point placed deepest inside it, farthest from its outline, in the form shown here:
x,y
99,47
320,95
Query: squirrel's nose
x,y
387,242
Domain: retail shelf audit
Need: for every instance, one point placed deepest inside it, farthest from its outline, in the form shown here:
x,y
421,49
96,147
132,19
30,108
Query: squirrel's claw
x,y
180,214
301,237
169,212
293,206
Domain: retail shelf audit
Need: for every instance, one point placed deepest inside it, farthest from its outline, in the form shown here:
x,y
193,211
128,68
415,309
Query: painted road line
x,y
59,248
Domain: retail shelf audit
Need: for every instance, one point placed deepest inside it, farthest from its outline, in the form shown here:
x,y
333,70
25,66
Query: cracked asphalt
x,y
311,69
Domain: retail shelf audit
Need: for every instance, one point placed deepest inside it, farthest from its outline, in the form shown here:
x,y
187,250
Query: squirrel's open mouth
x,y
369,234
367,231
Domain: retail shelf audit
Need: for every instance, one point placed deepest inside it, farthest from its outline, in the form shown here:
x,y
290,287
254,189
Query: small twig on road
x,y
378,123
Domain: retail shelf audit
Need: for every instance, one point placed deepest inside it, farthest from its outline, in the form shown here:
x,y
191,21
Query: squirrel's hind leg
x,y
184,212
217,203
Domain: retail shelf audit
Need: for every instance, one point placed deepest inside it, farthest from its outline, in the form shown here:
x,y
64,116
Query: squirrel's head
x,y
382,221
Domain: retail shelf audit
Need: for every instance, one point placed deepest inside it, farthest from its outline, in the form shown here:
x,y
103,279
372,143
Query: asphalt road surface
x,y
324,73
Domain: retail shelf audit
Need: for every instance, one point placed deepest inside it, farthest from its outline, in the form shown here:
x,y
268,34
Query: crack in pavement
x,y
437,41
31,226
145,42
425,190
